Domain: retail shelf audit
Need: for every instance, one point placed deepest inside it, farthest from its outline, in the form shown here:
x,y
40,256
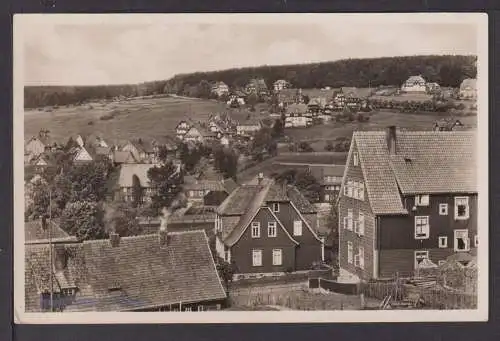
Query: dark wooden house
x,y
406,196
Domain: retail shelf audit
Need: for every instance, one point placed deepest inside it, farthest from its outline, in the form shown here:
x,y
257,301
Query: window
x,y
361,191
361,224
443,242
276,207
476,241
420,256
461,208
349,219
349,188
297,228
355,159
462,242
277,257
443,209
257,257
421,227
187,309
201,308
271,229
422,200
349,252
327,197
255,229
227,256
355,191
346,189
361,257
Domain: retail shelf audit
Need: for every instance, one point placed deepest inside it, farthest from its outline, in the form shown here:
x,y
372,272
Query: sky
x,y
107,52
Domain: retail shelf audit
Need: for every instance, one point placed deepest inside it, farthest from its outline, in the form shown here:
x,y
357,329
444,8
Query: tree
x,y
88,181
226,162
167,183
38,201
252,100
329,146
84,219
263,142
122,219
305,182
190,157
204,89
137,191
278,128
226,271
304,146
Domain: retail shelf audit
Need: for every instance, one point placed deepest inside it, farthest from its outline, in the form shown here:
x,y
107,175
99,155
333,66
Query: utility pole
x,y
50,251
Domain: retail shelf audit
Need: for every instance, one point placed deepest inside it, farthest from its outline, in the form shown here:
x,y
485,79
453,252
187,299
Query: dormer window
x,y
355,159
276,207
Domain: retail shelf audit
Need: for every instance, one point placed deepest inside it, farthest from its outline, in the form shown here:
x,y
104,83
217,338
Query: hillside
x,y
445,70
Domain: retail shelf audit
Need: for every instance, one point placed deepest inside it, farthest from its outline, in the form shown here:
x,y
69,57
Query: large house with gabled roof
x,y
264,228
406,197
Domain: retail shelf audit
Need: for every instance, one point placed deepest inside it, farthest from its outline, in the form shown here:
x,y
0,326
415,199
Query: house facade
x,y
249,127
297,115
220,89
257,86
124,189
181,129
468,89
414,84
281,84
406,197
267,229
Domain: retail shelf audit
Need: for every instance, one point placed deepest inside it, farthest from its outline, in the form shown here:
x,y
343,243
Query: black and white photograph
x,y
235,168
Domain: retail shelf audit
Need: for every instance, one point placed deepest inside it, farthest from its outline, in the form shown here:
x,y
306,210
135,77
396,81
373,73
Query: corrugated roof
x,y
143,274
425,162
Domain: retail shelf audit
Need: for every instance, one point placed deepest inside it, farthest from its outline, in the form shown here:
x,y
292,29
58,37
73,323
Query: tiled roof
x,y
296,108
211,185
425,162
123,157
136,274
128,170
237,202
34,233
415,79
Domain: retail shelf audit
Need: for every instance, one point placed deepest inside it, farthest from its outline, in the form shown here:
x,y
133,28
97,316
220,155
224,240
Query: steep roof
x,y
123,157
128,170
35,234
211,185
425,162
296,108
415,79
136,274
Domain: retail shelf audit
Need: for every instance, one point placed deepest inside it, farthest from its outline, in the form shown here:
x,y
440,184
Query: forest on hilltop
x,y
447,71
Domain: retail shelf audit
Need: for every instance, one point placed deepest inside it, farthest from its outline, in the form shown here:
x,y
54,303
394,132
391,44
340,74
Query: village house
x,y
433,88
248,127
468,89
297,115
200,134
406,197
266,229
348,97
316,106
220,89
236,99
164,271
181,129
281,84
143,150
127,174
330,179
208,192
414,84
257,86
119,157
39,144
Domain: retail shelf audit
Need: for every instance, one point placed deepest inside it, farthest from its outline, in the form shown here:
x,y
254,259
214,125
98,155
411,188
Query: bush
x,y
329,147
90,123
107,117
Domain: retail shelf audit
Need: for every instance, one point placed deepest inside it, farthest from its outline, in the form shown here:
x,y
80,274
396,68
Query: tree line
x,y
448,71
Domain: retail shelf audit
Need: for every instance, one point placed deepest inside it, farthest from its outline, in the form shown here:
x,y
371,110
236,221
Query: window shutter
x,y
361,224
361,257
345,222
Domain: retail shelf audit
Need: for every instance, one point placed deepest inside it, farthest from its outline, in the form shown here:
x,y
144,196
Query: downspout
x,y
376,249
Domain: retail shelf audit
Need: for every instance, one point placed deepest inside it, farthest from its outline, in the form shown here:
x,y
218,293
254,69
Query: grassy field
x,y
378,120
152,117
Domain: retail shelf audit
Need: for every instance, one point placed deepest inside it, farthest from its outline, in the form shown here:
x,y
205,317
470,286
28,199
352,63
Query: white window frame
x,y
420,253
467,208
361,191
276,207
361,257
349,188
256,257
201,308
422,200
277,257
455,240
355,191
355,159
272,226
188,309
349,219
427,234
443,242
297,228
443,209
256,226
350,251
361,224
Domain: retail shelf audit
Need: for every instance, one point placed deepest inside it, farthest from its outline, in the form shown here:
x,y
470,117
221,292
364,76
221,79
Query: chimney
x,y
114,239
260,178
391,139
60,258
